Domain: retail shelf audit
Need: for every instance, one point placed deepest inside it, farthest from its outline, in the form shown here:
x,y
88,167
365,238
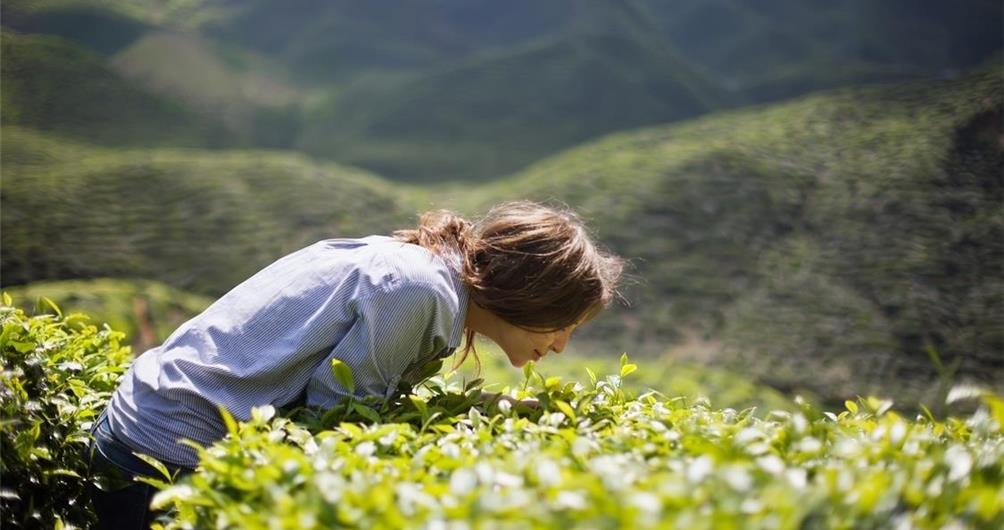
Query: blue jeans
x,y
119,501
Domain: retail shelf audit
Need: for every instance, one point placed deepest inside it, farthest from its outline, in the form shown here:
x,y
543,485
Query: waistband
x,y
122,456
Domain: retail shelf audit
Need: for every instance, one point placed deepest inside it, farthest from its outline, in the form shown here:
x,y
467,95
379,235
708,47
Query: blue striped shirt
x,y
383,307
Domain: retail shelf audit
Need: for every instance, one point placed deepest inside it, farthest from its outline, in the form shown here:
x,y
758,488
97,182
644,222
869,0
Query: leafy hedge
x,y
442,456
56,373
146,311
595,457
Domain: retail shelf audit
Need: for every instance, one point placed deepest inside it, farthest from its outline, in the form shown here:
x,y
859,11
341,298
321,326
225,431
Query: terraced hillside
x,y
197,220
848,235
50,84
854,235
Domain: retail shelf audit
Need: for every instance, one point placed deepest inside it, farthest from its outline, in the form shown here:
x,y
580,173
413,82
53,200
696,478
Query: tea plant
x,y
593,457
546,453
56,374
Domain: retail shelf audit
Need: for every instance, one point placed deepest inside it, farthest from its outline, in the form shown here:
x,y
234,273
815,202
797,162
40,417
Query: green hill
x,y
843,235
198,220
502,111
244,93
463,90
779,49
50,84
327,41
94,26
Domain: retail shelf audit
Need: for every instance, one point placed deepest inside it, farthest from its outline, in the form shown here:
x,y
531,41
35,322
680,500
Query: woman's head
x,y
534,267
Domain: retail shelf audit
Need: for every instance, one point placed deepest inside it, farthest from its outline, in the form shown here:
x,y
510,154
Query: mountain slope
x,y
779,49
95,25
326,41
475,89
50,84
502,111
198,220
844,234
242,92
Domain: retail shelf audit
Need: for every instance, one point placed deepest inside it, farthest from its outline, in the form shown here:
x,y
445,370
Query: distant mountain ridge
x,y
468,90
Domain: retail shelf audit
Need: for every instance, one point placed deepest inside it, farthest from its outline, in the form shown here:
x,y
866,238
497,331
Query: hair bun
x,y
439,231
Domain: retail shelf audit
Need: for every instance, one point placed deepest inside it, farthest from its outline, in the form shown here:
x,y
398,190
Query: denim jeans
x,y
119,501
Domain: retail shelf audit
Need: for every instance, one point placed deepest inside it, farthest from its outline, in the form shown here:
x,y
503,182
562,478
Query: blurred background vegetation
x,y
810,192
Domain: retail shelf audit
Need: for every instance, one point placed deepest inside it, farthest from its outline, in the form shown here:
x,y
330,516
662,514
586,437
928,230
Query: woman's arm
x,y
394,328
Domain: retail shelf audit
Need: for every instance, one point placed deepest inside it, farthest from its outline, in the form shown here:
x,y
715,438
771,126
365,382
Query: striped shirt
x,y
383,307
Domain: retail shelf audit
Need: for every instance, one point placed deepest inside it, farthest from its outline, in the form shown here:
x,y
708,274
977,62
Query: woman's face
x,y
521,345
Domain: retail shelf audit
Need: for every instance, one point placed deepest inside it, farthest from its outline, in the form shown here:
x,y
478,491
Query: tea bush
x,y
447,455
56,373
594,457
667,374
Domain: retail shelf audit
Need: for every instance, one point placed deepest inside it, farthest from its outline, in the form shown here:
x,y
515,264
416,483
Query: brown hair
x,y
534,266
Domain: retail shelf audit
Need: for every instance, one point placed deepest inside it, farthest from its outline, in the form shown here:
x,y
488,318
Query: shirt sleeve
x,y
394,327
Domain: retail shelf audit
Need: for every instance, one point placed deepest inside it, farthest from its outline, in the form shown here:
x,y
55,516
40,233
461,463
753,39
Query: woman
x,y
525,277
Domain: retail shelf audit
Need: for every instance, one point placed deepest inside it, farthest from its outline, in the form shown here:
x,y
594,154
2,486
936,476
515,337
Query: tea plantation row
x,y
442,456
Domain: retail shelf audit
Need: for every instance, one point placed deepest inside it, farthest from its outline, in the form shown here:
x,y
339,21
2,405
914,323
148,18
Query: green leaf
x,y
430,369
628,369
156,464
528,370
442,428
64,472
878,406
366,412
565,408
22,346
228,420
624,359
159,484
343,374
330,415
592,376
473,383
55,308
996,406
41,452
851,406
7,300
351,429
420,405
